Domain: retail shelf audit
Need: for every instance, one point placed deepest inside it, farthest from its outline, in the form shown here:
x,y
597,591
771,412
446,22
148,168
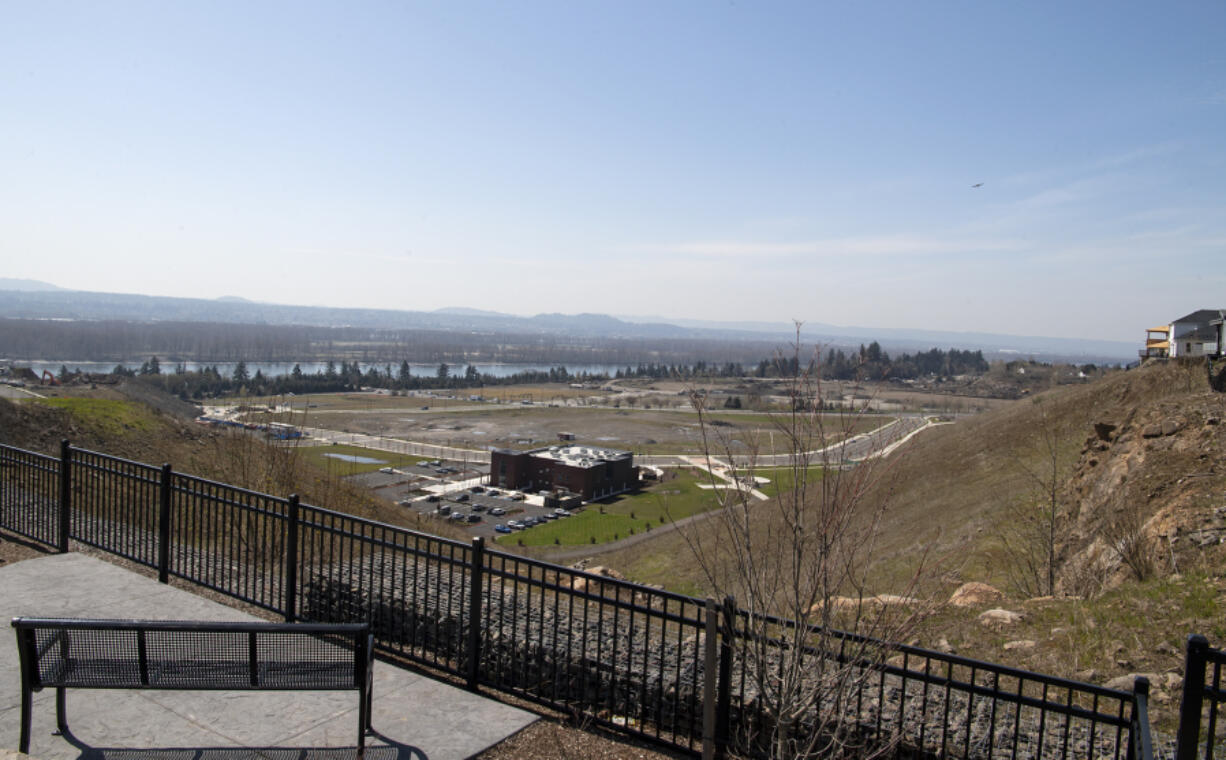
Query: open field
x,y
335,465
480,425
624,515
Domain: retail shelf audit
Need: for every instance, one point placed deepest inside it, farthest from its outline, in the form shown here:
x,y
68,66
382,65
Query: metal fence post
x,y
723,712
710,663
65,495
164,525
1140,743
474,613
1193,694
291,560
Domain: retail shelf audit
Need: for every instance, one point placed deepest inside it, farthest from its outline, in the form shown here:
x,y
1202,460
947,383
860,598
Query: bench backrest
x,y
161,654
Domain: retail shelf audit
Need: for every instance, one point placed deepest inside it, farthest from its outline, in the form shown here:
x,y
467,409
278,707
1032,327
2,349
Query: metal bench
x,y
185,655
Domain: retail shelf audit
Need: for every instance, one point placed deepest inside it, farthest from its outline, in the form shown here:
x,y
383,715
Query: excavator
x,y
48,379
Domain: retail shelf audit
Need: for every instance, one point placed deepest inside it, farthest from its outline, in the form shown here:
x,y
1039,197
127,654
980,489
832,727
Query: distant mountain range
x,y
31,299
10,283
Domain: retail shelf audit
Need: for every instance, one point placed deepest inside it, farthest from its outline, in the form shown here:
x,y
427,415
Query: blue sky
x,y
762,161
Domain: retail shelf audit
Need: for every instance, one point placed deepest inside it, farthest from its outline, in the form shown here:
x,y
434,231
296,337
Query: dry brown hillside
x,y
148,426
1140,465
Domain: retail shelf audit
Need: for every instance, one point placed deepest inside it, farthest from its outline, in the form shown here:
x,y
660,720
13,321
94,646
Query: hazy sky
x,y
720,160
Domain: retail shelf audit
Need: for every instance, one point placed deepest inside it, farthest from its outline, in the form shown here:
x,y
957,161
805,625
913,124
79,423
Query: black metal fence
x,y
659,665
1203,693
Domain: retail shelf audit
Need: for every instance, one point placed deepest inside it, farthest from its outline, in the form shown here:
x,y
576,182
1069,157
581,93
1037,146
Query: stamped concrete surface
x,y
413,717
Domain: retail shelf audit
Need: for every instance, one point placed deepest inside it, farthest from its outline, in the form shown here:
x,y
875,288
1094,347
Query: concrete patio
x,y
414,717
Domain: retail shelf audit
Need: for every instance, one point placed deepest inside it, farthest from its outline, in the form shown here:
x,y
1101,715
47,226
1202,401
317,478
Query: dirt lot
x,y
641,431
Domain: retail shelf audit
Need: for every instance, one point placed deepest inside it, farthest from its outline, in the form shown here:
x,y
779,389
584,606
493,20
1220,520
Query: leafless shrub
x,y
800,553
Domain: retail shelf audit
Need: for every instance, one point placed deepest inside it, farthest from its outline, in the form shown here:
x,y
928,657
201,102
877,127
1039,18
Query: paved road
x,y
15,392
854,449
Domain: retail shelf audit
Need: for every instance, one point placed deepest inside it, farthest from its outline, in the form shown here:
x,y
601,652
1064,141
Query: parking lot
x,y
446,491
483,511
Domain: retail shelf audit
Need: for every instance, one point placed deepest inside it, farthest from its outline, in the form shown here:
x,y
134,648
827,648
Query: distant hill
x,y
27,286
463,311
45,301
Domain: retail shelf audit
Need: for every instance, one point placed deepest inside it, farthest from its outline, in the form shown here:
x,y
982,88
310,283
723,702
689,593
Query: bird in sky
x,y
978,184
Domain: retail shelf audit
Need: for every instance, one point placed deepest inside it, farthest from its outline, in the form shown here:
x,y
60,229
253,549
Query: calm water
x,y
273,369
356,459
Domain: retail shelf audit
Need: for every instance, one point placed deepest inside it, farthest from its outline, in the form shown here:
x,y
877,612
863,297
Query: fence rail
x,y
667,667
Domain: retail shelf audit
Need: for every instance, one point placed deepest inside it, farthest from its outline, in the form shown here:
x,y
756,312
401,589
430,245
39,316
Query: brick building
x,y
589,471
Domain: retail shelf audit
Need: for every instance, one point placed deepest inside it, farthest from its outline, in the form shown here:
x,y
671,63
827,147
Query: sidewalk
x,y
414,717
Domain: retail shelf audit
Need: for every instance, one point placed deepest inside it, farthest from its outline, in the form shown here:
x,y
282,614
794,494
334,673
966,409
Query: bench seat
x,y
191,655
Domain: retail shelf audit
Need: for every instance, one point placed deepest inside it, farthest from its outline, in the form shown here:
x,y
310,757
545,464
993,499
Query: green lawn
x,y
111,416
317,456
782,478
623,516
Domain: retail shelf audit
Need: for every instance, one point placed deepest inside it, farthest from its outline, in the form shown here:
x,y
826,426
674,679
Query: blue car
x,y
500,528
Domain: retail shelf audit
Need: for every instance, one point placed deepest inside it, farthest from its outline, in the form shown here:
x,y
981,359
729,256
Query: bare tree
x,y
795,561
1029,533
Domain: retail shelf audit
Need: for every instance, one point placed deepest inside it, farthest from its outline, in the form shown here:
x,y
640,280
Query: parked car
x,y
497,511
476,489
474,518
493,492
457,516
462,497
500,528
479,507
444,509
549,516
515,525
561,512
432,497
517,496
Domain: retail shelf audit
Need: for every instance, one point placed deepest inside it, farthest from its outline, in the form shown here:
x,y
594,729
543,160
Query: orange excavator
x,y
49,379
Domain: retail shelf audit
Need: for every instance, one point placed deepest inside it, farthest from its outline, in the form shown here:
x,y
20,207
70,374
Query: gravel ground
x,y
550,739
14,549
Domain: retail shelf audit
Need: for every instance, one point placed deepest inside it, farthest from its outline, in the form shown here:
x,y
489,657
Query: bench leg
x,y
363,722
61,710
370,693
24,744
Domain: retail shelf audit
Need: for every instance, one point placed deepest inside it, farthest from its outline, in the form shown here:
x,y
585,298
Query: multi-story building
x,y
590,471
1194,334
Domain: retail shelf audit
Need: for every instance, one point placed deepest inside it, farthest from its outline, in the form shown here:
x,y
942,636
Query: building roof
x,y
1203,316
1202,333
580,456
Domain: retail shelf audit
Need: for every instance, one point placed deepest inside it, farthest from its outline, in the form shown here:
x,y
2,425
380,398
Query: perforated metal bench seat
x,y
191,655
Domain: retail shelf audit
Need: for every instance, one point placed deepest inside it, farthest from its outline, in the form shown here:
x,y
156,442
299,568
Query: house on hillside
x,y
1197,334
1157,343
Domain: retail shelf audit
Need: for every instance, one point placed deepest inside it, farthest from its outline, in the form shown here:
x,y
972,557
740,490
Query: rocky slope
x,y
1148,494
